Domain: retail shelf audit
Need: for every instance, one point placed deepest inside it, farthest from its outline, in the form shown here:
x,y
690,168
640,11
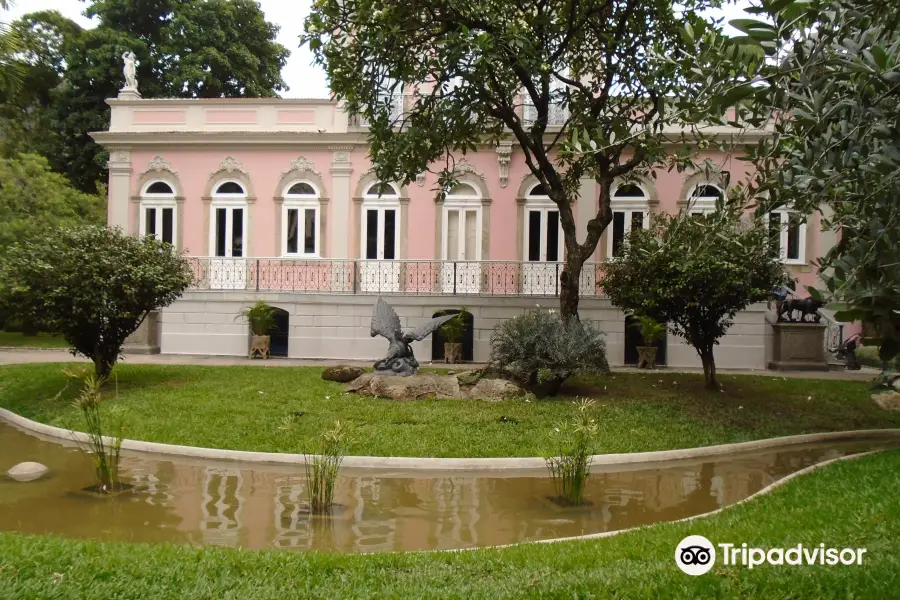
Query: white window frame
x,y
158,202
627,205
703,204
301,203
542,204
785,214
463,203
381,204
230,201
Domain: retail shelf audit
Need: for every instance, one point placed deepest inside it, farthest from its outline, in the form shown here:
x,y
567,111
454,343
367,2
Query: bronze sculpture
x,y
400,359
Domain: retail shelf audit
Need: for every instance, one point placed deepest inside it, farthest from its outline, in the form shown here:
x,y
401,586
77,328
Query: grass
x,y
14,339
285,409
850,504
868,356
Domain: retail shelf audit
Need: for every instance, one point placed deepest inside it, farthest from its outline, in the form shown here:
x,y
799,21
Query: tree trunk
x,y
709,369
103,368
568,288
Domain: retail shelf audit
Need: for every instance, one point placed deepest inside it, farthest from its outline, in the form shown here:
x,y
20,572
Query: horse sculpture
x,y
400,359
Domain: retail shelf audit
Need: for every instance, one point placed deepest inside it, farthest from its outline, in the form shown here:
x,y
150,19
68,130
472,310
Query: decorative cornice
x,y
504,152
158,164
230,165
464,167
301,165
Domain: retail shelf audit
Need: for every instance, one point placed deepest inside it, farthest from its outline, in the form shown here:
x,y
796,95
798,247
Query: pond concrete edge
x,y
487,465
605,534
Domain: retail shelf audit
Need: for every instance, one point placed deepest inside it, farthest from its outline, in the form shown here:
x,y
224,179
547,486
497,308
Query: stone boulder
x,y
342,374
416,387
495,389
430,385
27,471
887,401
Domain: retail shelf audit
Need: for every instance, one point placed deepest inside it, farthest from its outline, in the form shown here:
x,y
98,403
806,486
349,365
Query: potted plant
x,y
651,331
453,331
261,318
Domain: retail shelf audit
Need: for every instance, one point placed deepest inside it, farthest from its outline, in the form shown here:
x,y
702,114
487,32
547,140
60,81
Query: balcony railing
x,y
400,277
557,115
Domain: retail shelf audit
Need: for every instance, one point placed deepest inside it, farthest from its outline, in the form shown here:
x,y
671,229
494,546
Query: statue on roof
x,y
130,70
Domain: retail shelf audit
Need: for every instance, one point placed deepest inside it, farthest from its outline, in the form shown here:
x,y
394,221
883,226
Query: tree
x,y
696,273
25,116
93,285
185,49
34,199
10,68
617,71
832,95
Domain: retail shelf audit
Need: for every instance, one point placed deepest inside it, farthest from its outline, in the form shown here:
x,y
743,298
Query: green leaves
x,y
91,284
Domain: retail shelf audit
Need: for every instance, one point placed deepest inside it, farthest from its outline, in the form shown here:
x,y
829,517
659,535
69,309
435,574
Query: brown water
x,y
232,504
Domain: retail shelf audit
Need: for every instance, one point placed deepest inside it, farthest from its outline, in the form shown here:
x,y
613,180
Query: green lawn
x,y
868,356
20,340
852,504
252,408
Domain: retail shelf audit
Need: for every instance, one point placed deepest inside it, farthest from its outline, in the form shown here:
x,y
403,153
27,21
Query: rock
x,y
416,387
27,471
342,374
495,390
896,384
887,401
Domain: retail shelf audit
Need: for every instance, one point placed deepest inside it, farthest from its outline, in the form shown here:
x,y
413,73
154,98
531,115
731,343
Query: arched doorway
x,y
279,334
467,341
633,339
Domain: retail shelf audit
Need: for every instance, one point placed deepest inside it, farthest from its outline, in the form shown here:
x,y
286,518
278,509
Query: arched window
x,y
461,239
787,232
543,232
158,212
703,198
228,225
301,220
380,222
380,238
230,188
630,211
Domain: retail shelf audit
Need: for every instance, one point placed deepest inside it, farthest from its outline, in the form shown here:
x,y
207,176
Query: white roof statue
x,y
130,71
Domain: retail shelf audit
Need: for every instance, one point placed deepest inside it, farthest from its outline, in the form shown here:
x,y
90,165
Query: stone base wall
x,y
337,327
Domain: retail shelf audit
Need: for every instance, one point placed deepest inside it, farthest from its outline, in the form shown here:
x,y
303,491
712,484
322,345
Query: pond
x,y
256,506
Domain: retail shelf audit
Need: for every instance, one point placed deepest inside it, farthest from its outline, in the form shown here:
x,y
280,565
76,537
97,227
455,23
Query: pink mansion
x,y
276,199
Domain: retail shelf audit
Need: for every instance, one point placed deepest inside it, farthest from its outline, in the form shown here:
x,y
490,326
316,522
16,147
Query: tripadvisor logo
x,y
695,555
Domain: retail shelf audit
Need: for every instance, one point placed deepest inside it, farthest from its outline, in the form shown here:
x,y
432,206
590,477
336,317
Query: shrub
x,y
260,316
93,285
540,351
651,330
322,468
454,329
695,273
571,451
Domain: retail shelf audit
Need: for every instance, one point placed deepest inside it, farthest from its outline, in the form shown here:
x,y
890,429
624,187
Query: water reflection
x,y
226,504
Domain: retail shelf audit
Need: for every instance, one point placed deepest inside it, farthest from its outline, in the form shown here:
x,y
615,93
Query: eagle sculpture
x,y
400,359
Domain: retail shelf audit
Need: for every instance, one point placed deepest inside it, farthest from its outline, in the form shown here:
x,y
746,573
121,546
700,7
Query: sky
x,y
303,79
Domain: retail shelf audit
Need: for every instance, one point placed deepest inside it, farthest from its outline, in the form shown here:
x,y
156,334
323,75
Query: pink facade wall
x,y
265,168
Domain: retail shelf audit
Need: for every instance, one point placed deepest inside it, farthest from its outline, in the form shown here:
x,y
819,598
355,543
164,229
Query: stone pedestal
x,y
798,347
146,339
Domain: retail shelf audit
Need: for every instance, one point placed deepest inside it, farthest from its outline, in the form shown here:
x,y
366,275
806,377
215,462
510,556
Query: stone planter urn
x,y
646,357
259,346
452,353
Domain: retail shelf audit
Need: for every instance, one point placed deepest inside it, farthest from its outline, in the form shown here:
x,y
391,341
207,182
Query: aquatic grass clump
x,y
103,451
572,446
323,466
